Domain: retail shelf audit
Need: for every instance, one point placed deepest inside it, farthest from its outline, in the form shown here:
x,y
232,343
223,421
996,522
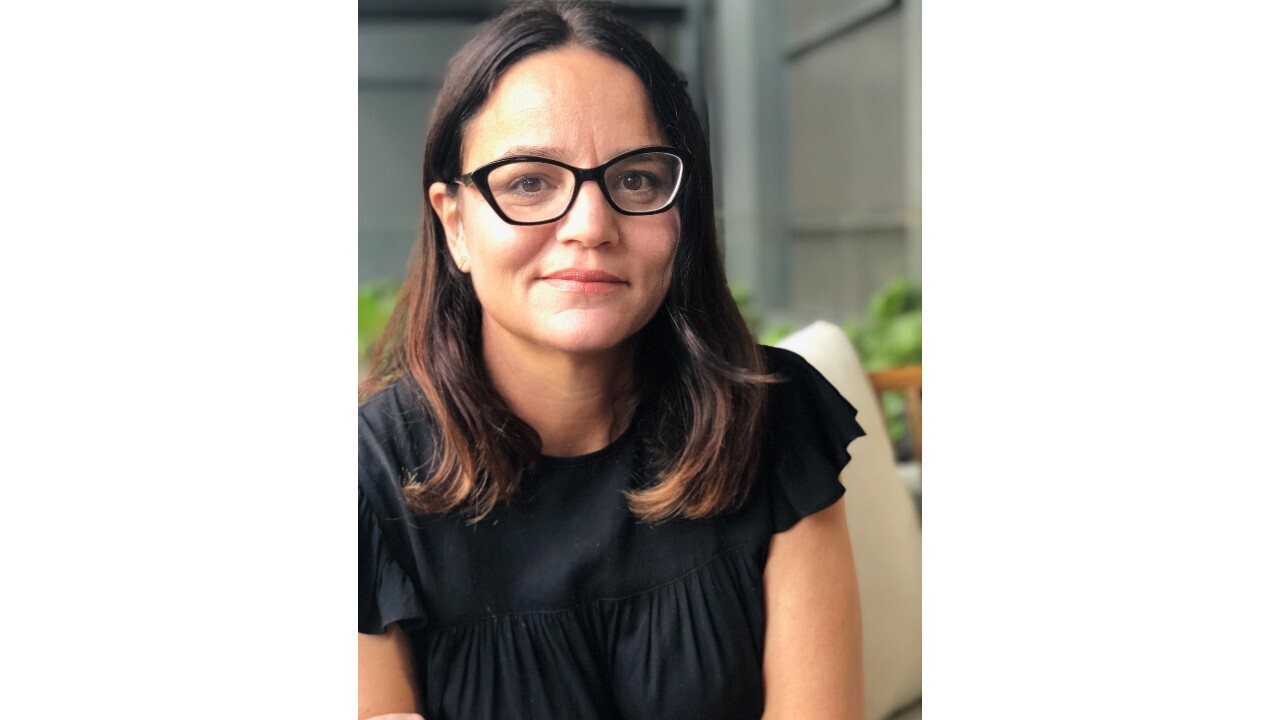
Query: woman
x,y
585,492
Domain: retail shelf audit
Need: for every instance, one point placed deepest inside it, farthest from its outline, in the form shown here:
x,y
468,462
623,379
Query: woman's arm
x,y
813,622
386,676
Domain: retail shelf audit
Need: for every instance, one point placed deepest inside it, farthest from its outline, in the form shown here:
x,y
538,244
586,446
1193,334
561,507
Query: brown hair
x,y
699,374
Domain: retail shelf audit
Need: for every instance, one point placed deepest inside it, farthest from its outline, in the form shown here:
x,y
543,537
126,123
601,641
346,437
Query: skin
x,y
562,359
386,688
813,633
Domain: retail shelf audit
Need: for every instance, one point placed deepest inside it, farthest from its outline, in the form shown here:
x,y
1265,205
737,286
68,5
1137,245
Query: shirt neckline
x,y
605,453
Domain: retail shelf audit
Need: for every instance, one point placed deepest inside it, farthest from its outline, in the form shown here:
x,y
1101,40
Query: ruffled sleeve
x,y
386,593
811,426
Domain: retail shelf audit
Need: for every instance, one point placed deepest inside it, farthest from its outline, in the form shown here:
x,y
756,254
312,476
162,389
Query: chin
x,y
587,337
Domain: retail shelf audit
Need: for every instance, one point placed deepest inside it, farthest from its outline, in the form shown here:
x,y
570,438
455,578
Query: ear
x,y
446,209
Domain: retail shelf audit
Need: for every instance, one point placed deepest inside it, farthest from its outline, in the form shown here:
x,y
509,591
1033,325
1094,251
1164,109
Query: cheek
x,y
660,254
671,236
497,250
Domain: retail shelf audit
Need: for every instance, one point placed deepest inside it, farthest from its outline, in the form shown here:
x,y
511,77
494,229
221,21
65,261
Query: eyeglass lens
x,y
535,191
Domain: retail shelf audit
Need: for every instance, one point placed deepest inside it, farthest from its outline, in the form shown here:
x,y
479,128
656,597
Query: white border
x,y
179,263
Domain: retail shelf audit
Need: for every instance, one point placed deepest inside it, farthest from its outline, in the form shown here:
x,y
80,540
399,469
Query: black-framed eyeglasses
x,y
530,190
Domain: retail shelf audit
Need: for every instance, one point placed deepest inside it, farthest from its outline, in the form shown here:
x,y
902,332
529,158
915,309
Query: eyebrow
x,y
555,153
551,152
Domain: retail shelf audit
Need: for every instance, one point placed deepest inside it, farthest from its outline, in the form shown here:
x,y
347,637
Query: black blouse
x,y
564,605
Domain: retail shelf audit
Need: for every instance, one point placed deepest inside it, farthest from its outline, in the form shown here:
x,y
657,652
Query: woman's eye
x,y
634,181
529,185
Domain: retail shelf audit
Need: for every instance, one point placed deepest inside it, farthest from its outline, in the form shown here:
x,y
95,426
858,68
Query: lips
x,y
584,276
585,282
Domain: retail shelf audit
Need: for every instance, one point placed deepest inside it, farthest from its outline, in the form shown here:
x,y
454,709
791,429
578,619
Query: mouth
x,y
584,281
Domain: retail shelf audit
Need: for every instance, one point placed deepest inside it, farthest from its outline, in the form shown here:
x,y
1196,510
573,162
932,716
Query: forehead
x,y
578,104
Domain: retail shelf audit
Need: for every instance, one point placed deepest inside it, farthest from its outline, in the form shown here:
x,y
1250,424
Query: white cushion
x,y
883,525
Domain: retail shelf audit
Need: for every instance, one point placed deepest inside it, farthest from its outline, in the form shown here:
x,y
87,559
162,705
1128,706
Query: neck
x,y
577,402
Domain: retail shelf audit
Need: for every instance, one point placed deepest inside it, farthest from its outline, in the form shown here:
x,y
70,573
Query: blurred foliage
x,y
377,300
891,337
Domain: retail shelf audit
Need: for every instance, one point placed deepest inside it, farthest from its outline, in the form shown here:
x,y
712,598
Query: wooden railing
x,y
906,380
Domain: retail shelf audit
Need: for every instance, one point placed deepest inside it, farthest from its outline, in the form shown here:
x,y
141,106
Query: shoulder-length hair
x,y
700,378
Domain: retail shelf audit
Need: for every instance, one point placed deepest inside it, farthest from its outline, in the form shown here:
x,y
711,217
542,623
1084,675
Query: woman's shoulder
x,y
809,428
395,436
785,362
400,401
802,388
803,400
391,427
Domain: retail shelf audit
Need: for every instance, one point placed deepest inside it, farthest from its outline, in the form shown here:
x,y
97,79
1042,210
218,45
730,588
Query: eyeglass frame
x,y
480,179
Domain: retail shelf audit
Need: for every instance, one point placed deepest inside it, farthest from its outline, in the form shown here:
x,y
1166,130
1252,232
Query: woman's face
x,y
582,108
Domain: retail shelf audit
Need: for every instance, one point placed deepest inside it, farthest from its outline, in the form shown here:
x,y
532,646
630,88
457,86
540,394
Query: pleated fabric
x,y
562,604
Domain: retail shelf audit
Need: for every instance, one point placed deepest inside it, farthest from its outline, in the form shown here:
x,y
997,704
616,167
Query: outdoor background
x,y
813,110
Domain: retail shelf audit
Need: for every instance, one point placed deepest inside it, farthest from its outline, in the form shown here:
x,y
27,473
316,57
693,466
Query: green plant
x,y
891,337
376,302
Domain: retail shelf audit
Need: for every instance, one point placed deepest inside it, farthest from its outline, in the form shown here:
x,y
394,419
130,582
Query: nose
x,y
591,220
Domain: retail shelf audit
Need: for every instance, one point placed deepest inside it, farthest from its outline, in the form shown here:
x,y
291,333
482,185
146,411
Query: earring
x,y
462,263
